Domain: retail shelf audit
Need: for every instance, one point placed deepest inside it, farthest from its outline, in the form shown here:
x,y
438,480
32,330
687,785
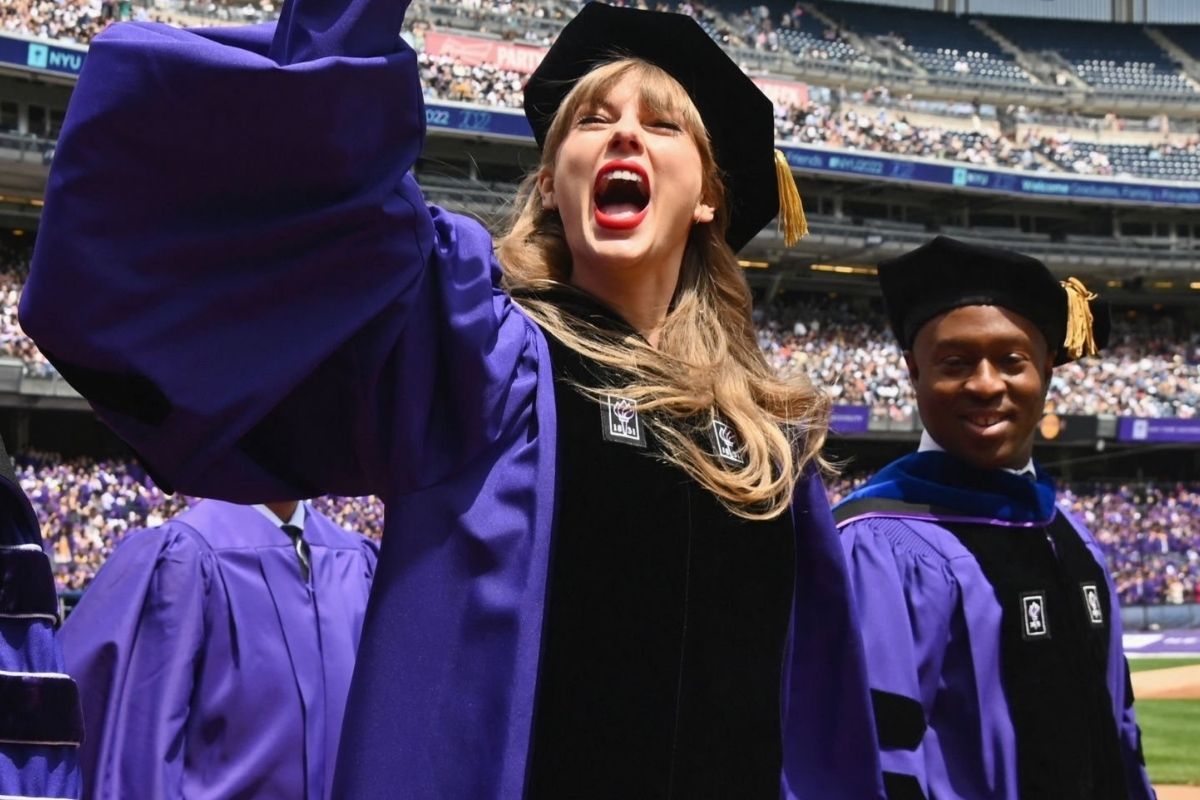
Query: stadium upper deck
x,y
1065,62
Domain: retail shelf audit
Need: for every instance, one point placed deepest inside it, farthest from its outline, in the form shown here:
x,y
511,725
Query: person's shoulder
x,y
906,534
173,540
333,534
164,562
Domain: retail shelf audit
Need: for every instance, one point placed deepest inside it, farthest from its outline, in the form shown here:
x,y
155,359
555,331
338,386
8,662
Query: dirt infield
x,y
1175,683
1178,792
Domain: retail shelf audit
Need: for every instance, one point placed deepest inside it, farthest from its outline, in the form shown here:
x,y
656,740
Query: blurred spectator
x,y
1150,534
86,506
447,79
65,20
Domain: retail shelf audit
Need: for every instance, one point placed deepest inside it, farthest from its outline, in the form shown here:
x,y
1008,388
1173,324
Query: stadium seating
x,y
940,43
1105,55
1164,162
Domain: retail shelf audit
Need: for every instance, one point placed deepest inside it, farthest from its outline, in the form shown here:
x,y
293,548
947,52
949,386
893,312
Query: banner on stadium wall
x,y
477,120
850,419
41,56
783,93
485,120
474,51
1162,429
990,180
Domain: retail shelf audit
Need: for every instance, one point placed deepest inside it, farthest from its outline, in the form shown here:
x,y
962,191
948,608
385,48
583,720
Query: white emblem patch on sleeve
x,y
1091,600
1035,624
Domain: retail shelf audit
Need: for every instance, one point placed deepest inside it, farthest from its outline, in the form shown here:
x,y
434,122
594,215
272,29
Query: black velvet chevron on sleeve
x,y
900,786
899,720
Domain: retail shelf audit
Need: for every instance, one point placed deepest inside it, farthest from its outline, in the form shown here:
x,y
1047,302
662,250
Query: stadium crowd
x,y
446,78
86,506
64,20
822,120
876,130
1150,533
1150,369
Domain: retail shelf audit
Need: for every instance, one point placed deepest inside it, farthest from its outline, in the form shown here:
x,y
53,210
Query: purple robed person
x,y
213,661
235,256
992,627
40,722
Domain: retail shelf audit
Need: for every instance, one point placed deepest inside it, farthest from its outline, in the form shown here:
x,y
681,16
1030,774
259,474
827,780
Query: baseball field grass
x,y
1168,710
1144,664
1171,740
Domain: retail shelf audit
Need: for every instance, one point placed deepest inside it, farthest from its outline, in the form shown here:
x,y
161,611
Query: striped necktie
x,y
297,537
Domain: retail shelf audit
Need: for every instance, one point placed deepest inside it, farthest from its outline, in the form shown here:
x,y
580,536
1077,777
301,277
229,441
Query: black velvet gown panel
x,y
1054,658
665,624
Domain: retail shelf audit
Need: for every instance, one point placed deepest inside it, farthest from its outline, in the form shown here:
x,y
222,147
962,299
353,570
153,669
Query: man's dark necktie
x,y
297,537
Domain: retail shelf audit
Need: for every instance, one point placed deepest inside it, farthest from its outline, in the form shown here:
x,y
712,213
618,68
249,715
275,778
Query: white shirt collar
x,y
297,516
928,443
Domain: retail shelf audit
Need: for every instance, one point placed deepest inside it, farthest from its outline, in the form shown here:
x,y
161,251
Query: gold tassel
x,y
1080,340
791,210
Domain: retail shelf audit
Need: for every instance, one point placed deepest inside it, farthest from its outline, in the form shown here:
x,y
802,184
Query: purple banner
x,y
1163,642
850,419
1165,429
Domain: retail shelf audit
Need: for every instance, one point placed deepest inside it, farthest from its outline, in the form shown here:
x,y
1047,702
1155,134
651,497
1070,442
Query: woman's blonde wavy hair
x,y
707,364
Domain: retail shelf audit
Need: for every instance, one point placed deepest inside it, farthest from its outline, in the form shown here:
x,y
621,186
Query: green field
x,y
1142,664
1171,740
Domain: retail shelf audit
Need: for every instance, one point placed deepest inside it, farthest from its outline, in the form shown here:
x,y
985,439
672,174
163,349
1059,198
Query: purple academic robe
x,y
208,667
932,628
234,257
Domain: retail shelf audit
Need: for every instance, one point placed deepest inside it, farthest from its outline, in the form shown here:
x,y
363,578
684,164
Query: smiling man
x,y
992,631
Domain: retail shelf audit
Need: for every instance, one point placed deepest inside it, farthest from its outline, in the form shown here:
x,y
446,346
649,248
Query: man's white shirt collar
x,y
927,443
297,516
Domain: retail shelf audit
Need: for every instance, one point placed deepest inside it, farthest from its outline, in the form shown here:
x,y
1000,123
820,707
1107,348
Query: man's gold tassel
x,y
1081,340
791,210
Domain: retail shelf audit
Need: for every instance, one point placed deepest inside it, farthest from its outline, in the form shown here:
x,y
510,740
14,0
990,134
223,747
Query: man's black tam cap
x,y
945,274
739,117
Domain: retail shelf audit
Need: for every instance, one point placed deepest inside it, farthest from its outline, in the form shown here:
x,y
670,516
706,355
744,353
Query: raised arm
x,y
236,268
829,749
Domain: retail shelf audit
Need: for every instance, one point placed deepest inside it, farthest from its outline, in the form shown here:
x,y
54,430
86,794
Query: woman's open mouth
x,y
621,195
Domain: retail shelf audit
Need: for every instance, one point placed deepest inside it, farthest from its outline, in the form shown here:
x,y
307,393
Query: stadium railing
x,y
1160,617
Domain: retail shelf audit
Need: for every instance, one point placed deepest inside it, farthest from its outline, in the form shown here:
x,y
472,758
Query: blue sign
x,y
1029,184
41,55
1158,429
478,120
850,419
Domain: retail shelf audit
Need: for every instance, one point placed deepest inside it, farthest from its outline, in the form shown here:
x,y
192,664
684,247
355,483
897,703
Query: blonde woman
x,y
610,568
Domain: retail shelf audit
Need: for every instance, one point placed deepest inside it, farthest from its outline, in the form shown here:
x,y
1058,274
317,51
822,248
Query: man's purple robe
x,y
933,626
208,667
233,258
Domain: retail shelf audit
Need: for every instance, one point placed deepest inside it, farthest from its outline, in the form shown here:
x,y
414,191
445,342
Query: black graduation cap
x,y
739,117
945,274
